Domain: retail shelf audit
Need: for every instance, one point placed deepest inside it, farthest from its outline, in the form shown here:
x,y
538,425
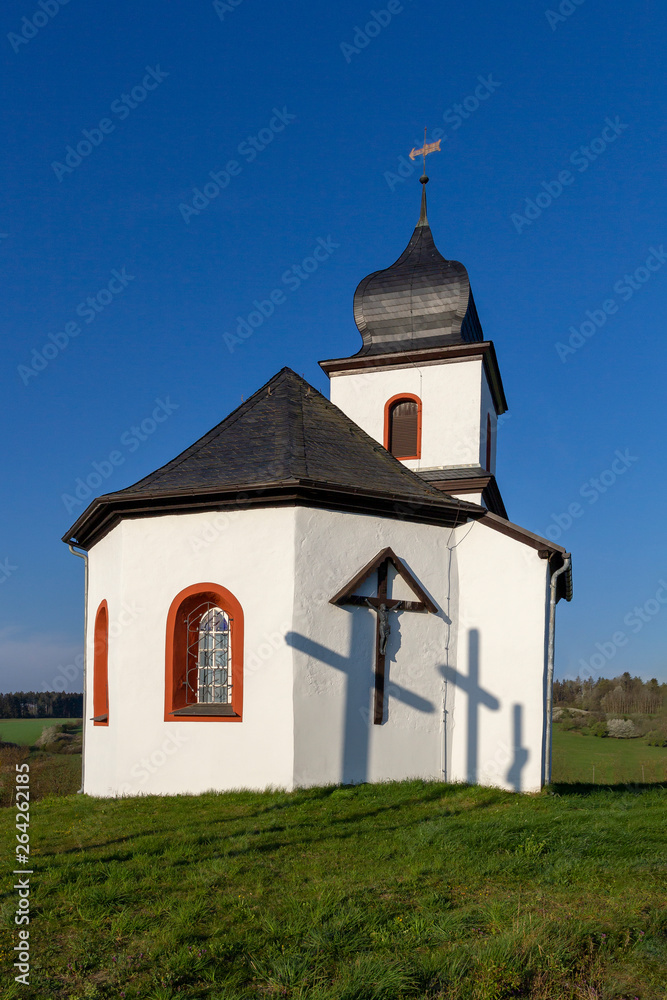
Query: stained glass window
x,y
209,674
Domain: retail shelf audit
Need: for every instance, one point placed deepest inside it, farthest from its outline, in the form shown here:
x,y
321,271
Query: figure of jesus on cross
x,y
382,605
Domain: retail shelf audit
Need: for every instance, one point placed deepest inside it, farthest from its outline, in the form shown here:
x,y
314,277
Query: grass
x,y
378,892
615,761
50,773
26,731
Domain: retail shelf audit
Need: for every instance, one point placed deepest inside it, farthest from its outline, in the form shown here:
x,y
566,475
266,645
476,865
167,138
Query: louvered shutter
x,y
403,421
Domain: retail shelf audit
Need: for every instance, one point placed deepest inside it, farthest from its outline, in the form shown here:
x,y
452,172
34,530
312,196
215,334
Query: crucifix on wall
x,y
383,606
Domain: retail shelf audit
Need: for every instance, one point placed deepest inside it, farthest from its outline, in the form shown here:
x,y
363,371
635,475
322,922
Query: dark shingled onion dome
x,y
423,300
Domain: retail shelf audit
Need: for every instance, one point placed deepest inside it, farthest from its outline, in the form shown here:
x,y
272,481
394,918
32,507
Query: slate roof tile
x,y
286,433
422,300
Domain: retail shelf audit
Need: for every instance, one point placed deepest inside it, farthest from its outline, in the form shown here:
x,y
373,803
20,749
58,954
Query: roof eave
x,y
546,549
426,356
103,514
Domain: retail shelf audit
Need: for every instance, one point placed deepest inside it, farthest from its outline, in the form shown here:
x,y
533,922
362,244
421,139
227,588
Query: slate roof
x,y
422,300
452,472
285,444
472,476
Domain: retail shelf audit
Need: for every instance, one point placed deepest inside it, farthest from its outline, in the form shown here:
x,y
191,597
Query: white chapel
x,y
330,590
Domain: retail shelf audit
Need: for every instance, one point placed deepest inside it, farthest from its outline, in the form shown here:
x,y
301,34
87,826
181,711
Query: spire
x,y
433,147
423,300
423,219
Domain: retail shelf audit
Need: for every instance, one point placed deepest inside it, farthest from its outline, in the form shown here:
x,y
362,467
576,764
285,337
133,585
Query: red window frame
x,y
403,397
177,651
101,665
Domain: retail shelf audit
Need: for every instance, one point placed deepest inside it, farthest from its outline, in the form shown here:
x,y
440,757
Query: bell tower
x,y
425,383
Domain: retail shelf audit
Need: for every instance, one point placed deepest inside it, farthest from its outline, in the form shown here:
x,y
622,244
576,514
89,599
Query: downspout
x,y
567,562
84,556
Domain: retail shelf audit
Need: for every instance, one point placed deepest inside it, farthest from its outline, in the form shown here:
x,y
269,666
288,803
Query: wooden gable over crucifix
x,y
382,606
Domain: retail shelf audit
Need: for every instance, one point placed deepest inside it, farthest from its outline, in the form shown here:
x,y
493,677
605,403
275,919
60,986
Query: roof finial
x,y
431,147
423,219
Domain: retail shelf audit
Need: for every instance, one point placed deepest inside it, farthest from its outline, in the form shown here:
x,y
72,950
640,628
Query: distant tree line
x,y
624,695
41,705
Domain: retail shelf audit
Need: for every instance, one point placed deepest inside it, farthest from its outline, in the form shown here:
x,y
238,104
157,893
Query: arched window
x,y
208,678
101,667
204,662
402,426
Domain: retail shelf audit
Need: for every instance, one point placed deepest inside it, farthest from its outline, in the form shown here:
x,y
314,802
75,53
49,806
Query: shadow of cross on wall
x,y
477,698
359,670
521,754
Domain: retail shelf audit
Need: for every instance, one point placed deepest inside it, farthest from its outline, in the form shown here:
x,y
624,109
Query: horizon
x,y
131,281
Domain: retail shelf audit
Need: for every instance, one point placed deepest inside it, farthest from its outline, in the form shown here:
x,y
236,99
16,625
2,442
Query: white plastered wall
x,y
139,567
308,684
463,703
335,738
469,498
496,737
455,401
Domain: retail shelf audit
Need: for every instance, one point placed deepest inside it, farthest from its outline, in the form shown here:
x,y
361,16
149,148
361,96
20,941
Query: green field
x,y
615,761
378,892
26,731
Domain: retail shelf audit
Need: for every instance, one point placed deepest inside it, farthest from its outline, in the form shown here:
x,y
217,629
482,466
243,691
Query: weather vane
x,y
428,147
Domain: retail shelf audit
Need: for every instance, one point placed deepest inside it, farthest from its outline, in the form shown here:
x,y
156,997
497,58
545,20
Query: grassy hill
x,y
25,732
606,761
378,892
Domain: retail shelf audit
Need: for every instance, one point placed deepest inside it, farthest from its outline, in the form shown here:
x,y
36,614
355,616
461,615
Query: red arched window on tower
x,y
403,425
101,667
204,661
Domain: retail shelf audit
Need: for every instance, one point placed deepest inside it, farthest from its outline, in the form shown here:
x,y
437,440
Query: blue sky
x,y
549,188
